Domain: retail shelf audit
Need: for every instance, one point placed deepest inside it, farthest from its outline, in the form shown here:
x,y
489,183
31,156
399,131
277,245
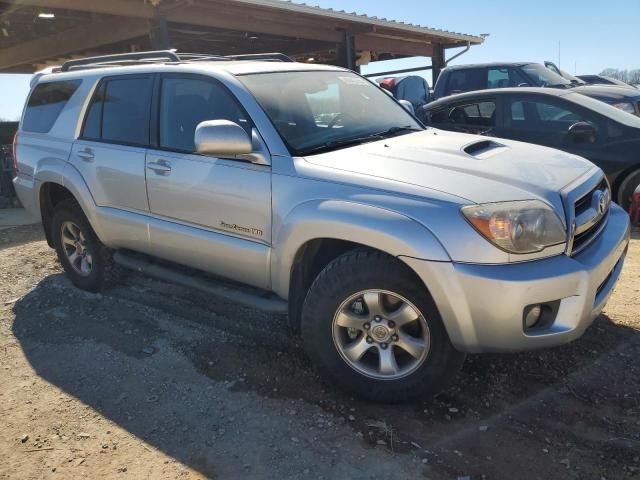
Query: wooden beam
x,y
85,37
283,26
393,45
127,8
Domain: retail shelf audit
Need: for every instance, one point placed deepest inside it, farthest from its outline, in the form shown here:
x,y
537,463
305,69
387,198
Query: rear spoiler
x,y
41,73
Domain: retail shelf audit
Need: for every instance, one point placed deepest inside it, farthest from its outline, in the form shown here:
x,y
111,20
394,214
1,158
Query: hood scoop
x,y
484,149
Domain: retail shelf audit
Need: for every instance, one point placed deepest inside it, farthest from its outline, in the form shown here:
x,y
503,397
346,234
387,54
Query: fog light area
x,y
532,316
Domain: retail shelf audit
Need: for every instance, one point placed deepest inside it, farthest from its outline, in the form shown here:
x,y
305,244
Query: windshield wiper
x,y
393,130
352,141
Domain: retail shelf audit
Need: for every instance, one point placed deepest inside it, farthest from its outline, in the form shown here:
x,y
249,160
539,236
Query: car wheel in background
x,y
629,185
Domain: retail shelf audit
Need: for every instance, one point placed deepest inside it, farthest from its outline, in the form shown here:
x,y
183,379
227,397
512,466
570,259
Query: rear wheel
x,y
370,326
629,185
86,261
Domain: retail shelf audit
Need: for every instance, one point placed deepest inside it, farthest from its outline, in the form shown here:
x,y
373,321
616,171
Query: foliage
x,y
629,76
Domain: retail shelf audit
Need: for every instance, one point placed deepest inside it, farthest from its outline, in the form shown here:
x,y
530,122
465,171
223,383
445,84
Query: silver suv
x,y
393,248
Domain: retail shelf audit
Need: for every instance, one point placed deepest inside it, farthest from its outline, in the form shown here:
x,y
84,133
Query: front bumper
x,y
482,305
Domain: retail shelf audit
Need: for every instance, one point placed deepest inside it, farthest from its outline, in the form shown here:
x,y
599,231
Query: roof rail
x,y
261,56
169,55
162,55
200,57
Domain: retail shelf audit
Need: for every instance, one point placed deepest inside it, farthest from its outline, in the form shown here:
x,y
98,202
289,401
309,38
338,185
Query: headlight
x,y
625,107
518,227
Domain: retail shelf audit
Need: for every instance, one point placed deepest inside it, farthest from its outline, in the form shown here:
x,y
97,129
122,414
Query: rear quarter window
x,y
46,103
466,80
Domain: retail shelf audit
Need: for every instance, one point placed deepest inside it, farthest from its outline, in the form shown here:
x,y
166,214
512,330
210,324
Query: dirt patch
x,y
150,380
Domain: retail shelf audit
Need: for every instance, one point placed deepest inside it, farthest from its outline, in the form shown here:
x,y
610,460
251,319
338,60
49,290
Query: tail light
x,y
15,152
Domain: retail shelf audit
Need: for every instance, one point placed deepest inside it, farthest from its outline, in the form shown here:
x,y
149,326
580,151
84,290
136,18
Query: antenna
x,y
559,63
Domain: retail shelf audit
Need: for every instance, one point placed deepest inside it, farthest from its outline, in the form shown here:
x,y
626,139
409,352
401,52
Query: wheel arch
x,y
621,177
57,185
317,232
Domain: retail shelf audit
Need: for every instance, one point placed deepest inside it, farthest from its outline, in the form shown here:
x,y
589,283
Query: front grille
x,y
591,212
581,240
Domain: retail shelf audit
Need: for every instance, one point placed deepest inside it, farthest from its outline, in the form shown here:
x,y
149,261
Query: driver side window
x,y
185,102
543,115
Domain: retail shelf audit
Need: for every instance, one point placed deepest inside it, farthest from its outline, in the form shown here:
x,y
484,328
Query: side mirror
x,y
407,105
222,138
582,132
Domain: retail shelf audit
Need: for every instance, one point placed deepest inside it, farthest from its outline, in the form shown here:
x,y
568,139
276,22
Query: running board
x,y
243,296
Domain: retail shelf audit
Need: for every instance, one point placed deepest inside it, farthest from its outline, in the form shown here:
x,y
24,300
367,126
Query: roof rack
x,y
106,60
164,56
262,56
200,57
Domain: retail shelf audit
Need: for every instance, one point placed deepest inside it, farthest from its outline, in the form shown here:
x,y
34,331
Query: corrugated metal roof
x,y
363,18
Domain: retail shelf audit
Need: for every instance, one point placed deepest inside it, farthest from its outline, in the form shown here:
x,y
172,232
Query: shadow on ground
x,y
203,380
15,236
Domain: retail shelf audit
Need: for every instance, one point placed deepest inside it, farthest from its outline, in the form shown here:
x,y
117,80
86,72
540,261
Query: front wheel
x,y
371,326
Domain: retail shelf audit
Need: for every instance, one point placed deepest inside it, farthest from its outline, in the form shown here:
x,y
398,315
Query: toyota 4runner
x,y
393,248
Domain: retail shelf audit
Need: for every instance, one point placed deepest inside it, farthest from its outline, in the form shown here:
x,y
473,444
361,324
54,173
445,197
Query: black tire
x,y
628,185
361,270
103,272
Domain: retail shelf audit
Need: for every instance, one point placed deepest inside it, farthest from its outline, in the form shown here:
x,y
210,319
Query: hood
x,y
476,169
609,93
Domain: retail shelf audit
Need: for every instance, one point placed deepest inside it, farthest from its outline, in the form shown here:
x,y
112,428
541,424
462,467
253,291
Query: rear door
x,y
110,153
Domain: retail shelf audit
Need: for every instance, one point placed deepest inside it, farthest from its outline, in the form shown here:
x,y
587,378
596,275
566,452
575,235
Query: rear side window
x,y
481,114
466,80
46,103
119,112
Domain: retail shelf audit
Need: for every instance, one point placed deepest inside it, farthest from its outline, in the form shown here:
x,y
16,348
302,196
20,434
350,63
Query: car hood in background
x,y
494,170
609,93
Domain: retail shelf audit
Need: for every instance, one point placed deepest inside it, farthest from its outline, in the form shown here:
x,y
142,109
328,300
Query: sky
x,y
593,35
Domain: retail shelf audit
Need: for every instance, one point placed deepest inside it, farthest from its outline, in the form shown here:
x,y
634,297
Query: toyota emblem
x,y
602,203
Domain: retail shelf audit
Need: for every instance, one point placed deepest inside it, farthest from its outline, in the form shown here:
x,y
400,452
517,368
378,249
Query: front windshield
x,y
322,110
572,78
543,77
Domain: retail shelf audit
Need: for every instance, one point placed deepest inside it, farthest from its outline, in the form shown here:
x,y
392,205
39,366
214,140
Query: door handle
x,y
161,167
86,155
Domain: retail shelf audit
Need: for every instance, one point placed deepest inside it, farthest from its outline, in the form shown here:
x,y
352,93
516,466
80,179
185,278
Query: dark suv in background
x,y
467,78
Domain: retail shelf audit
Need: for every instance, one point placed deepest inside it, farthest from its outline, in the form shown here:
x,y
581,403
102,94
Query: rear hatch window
x,y
46,103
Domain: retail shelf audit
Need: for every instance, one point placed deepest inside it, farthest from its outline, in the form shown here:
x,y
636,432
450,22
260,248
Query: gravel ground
x,y
150,380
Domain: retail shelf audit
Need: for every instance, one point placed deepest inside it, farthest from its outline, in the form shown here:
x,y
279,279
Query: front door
x,y
208,212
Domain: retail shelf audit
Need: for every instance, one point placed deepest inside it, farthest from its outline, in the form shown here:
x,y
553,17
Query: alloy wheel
x,y
381,334
75,248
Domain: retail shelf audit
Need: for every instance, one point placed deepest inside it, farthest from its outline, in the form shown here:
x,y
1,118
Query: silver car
x,y
394,249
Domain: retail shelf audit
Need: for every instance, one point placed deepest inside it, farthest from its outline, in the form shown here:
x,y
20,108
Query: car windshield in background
x,y
605,109
317,111
543,77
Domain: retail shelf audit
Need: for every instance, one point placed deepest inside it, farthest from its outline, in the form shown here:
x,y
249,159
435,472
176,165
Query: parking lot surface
x,y
151,380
